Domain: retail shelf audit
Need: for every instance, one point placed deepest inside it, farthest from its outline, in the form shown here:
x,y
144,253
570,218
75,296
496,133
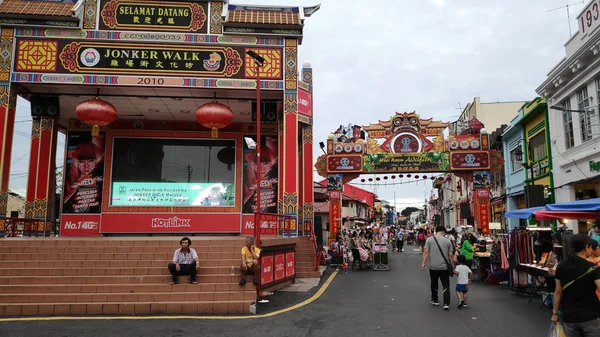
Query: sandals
x,y
172,283
193,282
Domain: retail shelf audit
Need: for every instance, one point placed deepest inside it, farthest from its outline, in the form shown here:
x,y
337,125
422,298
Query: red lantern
x,y
416,177
408,176
424,177
401,176
96,113
393,177
370,179
214,116
377,178
384,177
432,178
362,180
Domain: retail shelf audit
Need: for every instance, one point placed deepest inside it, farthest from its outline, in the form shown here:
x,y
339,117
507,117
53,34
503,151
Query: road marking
x,y
109,318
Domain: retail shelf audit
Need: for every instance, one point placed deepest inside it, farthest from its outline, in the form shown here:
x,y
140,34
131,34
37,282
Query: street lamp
x,y
259,61
519,157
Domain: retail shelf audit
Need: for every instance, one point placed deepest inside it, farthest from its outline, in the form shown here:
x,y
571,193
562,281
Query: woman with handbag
x,y
576,282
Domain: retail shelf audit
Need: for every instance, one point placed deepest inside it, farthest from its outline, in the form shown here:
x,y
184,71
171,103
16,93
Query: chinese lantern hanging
x,y
214,116
96,113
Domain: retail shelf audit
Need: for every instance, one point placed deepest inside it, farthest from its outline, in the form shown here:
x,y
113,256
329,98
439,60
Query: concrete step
x,y
112,279
113,250
197,242
101,271
120,308
127,297
115,263
110,256
128,288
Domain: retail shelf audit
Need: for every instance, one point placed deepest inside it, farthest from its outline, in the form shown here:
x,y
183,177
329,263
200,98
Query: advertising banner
x,y
279,267
413,162
344,163
83,173
474,160
335,212
80,225
171,194
149,15
305,103
482,207
248,224
481,179
269,173
266,275
290,264
170,223
335,182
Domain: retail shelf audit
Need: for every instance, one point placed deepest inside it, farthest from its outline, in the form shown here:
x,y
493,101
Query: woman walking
x,y
576,282
466,249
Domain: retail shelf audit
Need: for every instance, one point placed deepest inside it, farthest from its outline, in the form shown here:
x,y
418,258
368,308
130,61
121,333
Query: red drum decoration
x,y
96,113
214,116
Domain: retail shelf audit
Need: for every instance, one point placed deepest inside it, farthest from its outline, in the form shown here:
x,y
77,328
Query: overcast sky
x,y
373,58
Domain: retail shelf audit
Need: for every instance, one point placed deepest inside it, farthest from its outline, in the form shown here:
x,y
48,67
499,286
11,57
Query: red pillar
x,y
8,104
7,126
290,133
307,162
42,170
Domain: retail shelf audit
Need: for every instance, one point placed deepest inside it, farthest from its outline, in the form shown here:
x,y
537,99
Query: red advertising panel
x,y
170,222
469,160
482,207
305,102
248,224
345,163
80,225
290,264
266,275
279,267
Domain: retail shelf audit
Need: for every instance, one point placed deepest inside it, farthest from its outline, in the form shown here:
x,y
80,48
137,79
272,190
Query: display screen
x,y
172,194
173,172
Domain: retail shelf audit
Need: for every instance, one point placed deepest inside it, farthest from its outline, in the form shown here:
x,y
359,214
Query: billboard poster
x,y
170,222
335,182
481,179
305,102
269,172
290,264
279,267
266,275
83,173
171,194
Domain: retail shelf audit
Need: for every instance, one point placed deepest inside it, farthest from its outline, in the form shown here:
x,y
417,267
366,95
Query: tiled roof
x,y
20,7
264,17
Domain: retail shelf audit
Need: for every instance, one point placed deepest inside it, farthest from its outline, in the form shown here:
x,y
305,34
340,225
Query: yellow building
x,y
538,155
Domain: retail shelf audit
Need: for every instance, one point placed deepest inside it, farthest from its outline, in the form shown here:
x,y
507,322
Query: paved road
x,y
361,303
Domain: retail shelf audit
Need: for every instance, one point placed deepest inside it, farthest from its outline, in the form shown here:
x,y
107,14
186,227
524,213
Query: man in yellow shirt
x,y
250,256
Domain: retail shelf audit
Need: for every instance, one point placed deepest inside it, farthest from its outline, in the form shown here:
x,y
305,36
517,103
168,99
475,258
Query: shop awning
x,y
568,215
589,205
524,213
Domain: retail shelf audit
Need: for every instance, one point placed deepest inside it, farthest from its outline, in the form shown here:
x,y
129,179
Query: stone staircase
x,y
119,276
305,259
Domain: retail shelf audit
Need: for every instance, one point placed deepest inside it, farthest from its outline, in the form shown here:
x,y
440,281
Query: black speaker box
x,y
268,111
465,210
45,106
534,195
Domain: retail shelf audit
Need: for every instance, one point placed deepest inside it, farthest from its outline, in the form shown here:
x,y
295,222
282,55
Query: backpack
x,y
420,236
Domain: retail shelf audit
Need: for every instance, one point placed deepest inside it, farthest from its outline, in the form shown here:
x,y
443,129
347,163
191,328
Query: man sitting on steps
x,y
185,262
250,256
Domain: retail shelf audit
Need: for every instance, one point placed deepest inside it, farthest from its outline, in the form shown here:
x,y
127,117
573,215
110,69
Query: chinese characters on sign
x,y
142,15
483,209
124,58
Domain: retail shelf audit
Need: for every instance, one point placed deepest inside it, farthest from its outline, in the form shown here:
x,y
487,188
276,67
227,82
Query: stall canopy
x,y
589,205
560,215
524,213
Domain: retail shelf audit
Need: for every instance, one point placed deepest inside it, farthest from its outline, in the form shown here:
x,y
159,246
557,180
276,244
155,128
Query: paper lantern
x,y
214,116
96,113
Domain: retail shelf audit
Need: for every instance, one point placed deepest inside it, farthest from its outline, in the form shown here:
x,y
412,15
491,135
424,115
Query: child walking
x,y
462,281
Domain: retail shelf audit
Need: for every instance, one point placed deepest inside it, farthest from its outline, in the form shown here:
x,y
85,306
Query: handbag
x,y
448,264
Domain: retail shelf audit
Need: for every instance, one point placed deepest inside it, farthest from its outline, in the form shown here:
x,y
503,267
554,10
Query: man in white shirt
x,y
185,262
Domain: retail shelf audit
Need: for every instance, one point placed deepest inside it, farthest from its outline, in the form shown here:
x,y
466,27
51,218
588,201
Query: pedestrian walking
x,y
463,279
439,257
400,239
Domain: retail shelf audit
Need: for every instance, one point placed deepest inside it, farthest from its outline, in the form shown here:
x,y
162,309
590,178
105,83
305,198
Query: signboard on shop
x,y
474,160
345,163
170,223
589,19
305,103
80,225
266,275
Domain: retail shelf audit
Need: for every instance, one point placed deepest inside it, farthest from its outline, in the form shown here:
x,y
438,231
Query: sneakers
x,y
464,305
460,304
446,307
436,303
243,281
